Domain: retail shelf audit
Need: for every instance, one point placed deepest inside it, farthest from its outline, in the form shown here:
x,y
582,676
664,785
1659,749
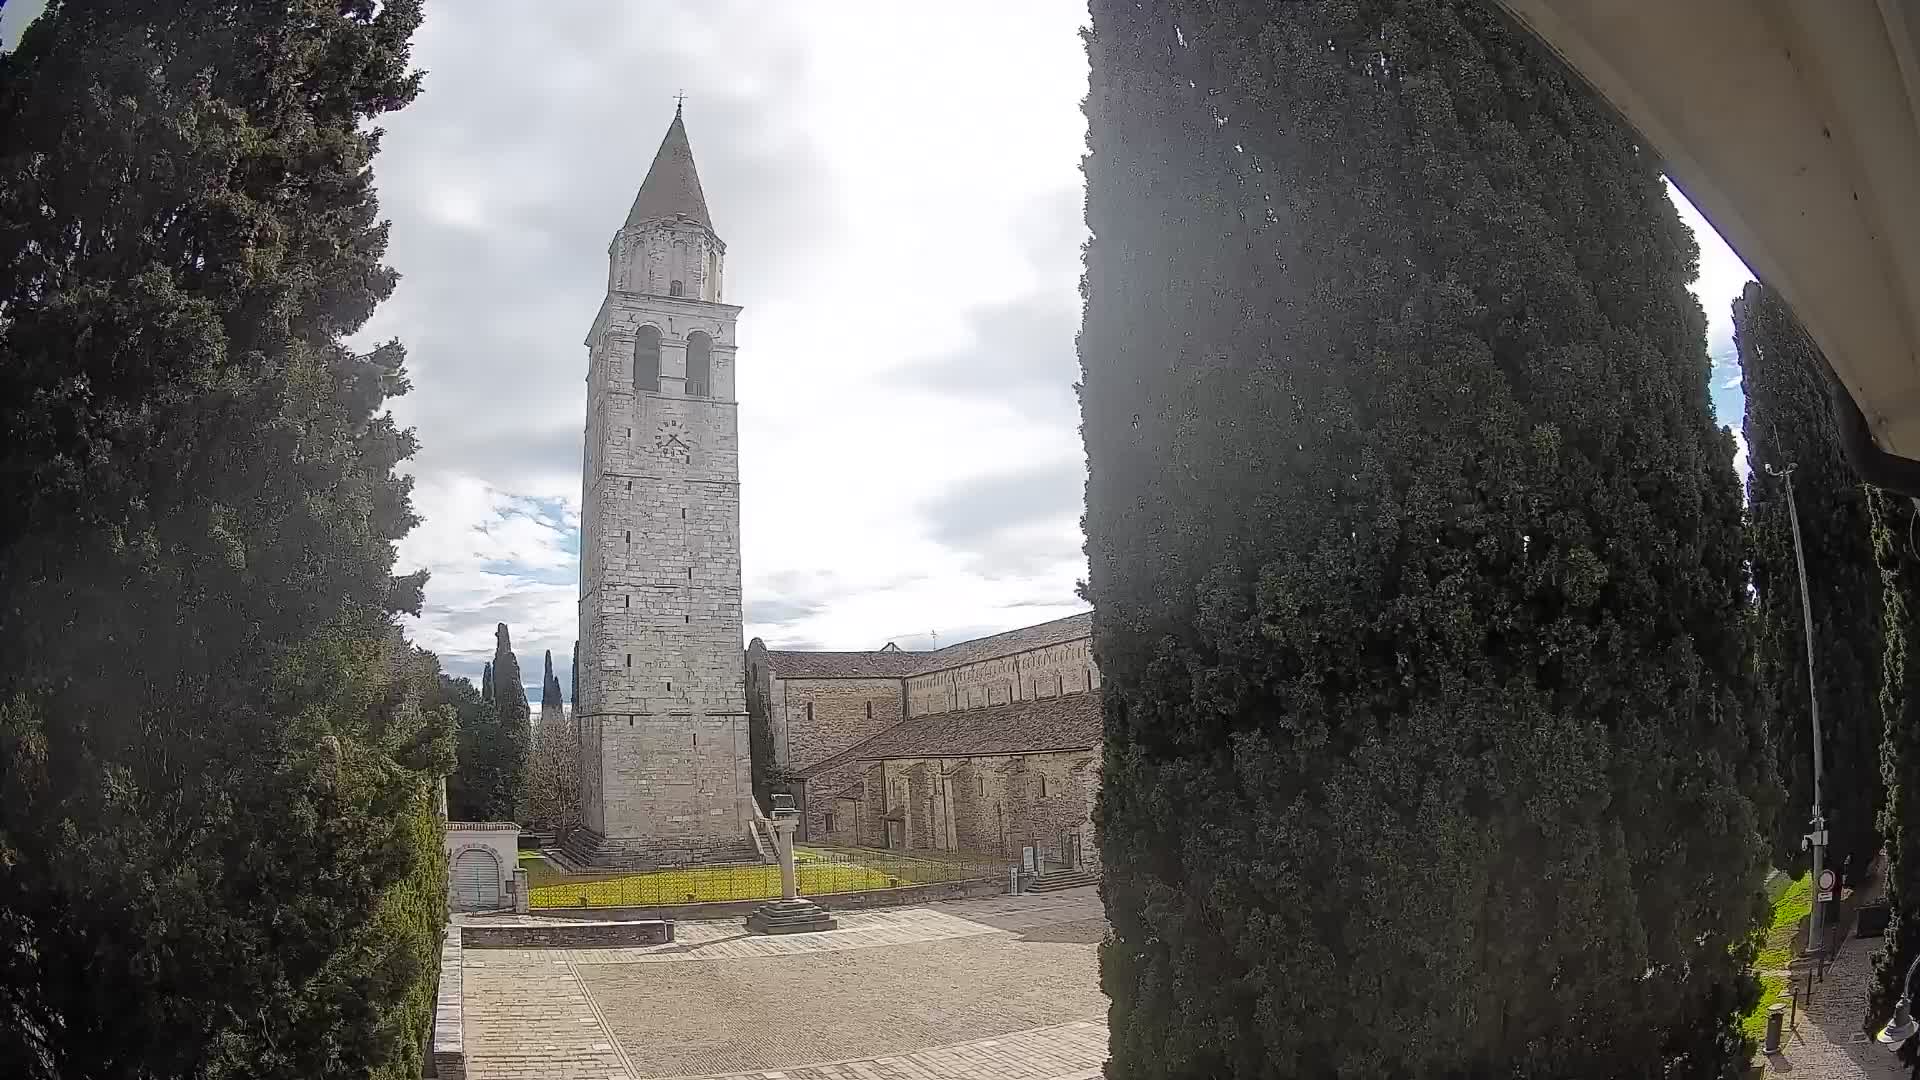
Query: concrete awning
x,y
1794,126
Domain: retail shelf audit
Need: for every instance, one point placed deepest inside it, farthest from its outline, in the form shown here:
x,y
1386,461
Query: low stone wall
x,y
449,1058
739,909
609,934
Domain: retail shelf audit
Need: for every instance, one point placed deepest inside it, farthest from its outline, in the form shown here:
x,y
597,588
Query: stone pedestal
x,y
796,916
792,913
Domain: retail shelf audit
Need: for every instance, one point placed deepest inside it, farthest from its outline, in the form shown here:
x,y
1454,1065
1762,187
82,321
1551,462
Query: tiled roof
x,y
1071,628
842,665
892,663
1023,727
672,186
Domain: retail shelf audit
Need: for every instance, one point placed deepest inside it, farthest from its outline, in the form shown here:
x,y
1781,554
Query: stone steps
x,y
796,916
586,853
1055,880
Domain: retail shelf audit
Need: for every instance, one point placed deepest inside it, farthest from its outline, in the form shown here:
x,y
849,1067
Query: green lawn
x,y
1792,901
820,874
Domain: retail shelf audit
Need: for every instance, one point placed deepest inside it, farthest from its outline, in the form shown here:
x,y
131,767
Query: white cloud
x,y
494,558
896,219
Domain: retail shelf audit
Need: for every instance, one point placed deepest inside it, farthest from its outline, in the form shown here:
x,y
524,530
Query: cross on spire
x,y
679,100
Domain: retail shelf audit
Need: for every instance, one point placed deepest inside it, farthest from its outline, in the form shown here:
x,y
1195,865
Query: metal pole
x,y
1817,839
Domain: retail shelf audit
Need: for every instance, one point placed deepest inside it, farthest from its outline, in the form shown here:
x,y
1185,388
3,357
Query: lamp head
x,y
1902,1027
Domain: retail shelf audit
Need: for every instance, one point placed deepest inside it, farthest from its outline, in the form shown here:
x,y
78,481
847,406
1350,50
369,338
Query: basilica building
x,y
989,747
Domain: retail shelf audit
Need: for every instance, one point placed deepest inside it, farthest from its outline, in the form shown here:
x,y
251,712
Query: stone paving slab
x,y
1065,1052
771,1012
534,1022
979,990
1828,1043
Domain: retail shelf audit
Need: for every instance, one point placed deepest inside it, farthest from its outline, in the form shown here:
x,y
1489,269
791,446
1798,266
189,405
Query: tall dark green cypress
x,y
1790,423
486,683
218,850
513,737
1416,562
549,686
1896,537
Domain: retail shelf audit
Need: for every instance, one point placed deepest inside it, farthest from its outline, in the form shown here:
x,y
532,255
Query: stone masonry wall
x,y
1038,673
650,257
814,719
663,704
992,805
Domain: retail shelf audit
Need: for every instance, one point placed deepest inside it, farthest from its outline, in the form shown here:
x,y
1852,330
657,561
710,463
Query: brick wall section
x,y
566,935
1041,673
989,805
817,798
814,719
449,1022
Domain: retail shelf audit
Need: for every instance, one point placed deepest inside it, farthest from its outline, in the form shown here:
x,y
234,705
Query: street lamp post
x,y
1816,840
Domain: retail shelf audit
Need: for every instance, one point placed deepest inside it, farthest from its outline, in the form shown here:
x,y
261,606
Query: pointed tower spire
x,y
672,187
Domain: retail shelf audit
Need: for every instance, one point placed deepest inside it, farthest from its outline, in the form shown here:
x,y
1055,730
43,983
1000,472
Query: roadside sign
x,y
1827,883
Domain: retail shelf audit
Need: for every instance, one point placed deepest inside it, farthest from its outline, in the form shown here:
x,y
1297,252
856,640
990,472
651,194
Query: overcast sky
x,y
898,186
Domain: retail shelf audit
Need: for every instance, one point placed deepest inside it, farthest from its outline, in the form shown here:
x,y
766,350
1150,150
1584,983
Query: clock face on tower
x,y
673,441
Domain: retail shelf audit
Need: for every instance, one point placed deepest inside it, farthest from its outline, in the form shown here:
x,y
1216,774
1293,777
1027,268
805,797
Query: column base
x,y
796,916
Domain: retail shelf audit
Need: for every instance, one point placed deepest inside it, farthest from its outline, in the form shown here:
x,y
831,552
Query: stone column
x,y
783,828
792,913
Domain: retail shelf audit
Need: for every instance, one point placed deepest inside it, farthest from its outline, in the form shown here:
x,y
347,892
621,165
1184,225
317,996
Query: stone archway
x,y
476,880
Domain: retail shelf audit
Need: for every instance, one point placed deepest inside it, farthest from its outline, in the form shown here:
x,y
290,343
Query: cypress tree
x,y
573,664
1416,562
467,788
218,856
1896,541
486,683
549,687
1790,423
513,735
552,799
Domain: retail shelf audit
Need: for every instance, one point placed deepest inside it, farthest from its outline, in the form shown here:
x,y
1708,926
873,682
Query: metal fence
x,y
821,872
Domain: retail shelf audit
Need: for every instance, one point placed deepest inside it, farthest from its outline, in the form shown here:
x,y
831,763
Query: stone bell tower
x,y
663,714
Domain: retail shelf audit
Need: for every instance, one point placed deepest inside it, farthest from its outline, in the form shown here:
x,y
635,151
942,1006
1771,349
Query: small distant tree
x,y
553,783
467,793
515,735
1789,423
490,778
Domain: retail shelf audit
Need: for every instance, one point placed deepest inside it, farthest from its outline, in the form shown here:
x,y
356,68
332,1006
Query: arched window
x,y
699,365
646,359
676,287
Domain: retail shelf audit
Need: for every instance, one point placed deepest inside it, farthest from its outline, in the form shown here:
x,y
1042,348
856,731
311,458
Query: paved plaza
x,y
959,990
1827,1042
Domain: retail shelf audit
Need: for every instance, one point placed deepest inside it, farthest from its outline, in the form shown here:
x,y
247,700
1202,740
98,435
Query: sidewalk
x,y
1828,1043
